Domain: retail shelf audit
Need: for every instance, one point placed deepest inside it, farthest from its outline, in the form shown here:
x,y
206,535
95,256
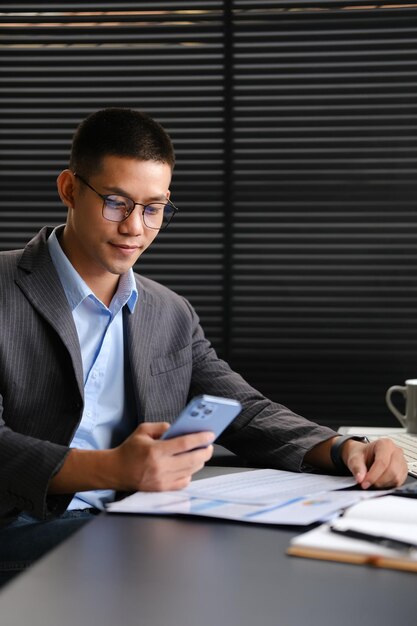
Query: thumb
x,y
356,460
359,470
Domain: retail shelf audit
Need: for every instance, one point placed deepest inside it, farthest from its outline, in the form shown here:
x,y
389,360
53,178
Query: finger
x,y
392,476
182,483
375,474
378,460
363,457
388,467
175,472
167,460
186,443
190,462
354,455
356,464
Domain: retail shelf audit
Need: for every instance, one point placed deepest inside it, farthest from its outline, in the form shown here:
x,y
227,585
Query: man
x,y
95,361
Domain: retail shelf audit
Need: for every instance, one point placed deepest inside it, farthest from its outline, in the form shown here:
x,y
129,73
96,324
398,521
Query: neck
x,y
102,283
101,288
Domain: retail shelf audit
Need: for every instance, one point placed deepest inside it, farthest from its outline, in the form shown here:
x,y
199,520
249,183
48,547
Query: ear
x,y
65,184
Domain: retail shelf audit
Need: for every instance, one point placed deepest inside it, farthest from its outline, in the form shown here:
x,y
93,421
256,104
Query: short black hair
x,y
119,132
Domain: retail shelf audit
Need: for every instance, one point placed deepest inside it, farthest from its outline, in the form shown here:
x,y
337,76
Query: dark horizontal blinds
x,y
325,215
295,128
60,63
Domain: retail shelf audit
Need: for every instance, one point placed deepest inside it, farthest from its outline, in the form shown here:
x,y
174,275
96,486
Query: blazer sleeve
x,y
265,433
40,400
27,466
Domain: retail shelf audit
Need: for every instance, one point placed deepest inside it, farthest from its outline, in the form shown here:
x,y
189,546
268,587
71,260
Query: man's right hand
x,y
141,463
145,463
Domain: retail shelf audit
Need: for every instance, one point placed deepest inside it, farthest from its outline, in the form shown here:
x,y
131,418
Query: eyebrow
x,y
122,192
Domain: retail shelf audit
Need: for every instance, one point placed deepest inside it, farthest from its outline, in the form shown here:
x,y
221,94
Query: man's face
x,y
97,246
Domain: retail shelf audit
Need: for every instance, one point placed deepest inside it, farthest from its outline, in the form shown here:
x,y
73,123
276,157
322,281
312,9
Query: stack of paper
x,y
261,496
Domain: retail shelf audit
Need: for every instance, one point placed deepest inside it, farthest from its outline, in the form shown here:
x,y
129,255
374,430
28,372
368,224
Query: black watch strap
x,y
336,449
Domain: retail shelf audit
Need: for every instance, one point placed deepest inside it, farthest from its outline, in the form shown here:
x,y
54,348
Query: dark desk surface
x,y
158,571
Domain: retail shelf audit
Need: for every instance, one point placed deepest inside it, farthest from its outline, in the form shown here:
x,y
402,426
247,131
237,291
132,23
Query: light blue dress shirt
x,y
105,422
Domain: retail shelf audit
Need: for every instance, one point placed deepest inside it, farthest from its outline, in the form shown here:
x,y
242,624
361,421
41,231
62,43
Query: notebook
x,y
404,440
387,521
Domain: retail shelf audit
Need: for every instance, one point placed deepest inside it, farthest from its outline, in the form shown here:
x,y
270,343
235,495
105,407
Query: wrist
x,y
83,470
103,469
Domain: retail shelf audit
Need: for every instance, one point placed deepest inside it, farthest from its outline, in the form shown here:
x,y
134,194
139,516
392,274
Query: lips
x,y
123,246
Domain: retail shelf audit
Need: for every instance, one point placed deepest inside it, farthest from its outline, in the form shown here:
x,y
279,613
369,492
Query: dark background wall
x,y
295,125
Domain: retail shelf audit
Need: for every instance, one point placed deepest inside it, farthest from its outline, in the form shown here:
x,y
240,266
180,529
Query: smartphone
x,y
204,413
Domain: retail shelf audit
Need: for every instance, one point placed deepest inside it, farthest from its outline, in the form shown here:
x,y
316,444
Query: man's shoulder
x,y
152,288
9,256
26,257
9,259
160,295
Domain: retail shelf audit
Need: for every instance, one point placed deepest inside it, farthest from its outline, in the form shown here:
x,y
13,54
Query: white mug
x,y
409,392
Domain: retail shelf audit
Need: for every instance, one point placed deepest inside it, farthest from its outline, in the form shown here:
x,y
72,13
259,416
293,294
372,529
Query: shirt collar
x,y
76,288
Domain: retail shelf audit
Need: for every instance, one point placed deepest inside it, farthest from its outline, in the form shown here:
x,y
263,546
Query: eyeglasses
x,y
156,215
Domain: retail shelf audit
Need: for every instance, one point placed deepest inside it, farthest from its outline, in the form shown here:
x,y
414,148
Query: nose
x,y
133,226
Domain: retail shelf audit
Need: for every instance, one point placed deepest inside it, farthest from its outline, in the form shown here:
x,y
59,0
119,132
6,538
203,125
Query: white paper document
x,y
261,496
266,486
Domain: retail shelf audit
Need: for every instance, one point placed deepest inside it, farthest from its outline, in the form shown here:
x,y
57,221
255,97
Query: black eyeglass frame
x,y
105,197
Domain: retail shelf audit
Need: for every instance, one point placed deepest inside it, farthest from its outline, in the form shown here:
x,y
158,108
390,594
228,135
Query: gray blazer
x,y
41,380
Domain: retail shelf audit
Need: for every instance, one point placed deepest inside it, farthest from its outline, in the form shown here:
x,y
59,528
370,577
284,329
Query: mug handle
x,y
403,390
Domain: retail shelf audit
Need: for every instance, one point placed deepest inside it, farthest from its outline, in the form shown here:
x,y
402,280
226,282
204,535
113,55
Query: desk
x,y
157,571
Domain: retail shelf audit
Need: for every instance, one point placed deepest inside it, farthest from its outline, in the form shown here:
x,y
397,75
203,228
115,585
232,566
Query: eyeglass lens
x,y
156,215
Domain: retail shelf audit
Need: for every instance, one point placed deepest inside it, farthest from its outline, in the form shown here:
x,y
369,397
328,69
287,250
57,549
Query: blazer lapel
x,y
141,326
42,287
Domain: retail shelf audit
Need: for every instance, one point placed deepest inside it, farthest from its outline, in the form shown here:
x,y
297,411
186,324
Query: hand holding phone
x,y
204,413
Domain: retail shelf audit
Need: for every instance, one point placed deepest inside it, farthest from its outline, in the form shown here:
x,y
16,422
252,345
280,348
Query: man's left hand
x,y
378,464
